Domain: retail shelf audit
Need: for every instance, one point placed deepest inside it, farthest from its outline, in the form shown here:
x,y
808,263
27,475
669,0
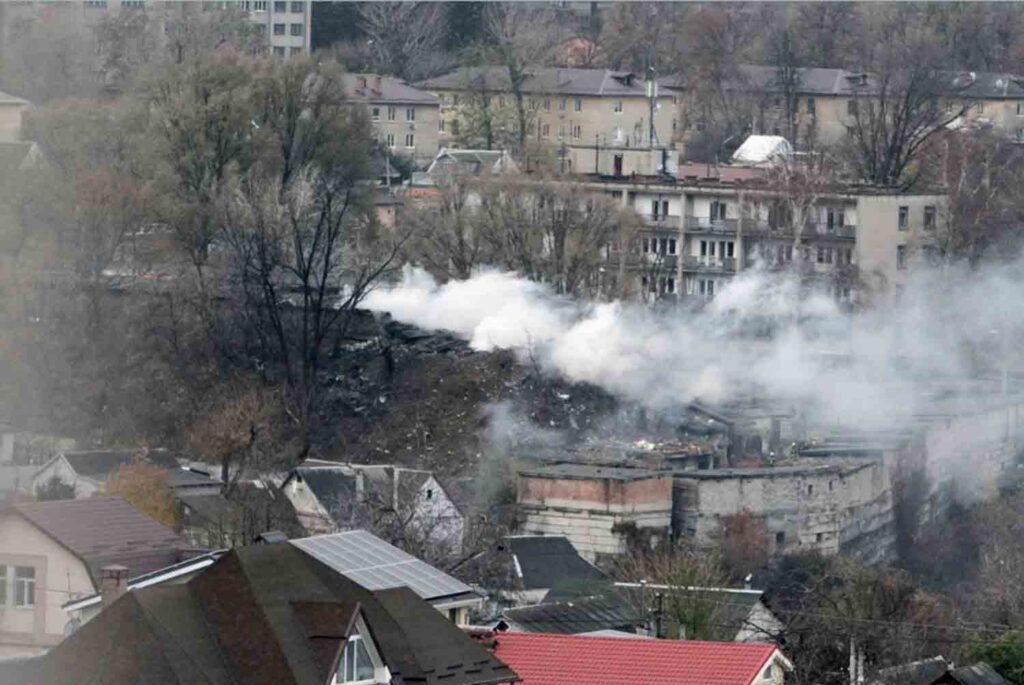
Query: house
x,y
88,470
527,570
376,565
593,505
938,671
405,119
728,614
478,163
763,151
565,107
584,615
329,495
53,552
266,614
211,519
545,659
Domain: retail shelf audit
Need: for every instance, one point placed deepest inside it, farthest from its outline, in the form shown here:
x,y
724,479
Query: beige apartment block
x,y
566,107
405,119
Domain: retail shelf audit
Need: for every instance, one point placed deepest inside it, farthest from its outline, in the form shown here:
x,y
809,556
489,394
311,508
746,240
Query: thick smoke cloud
x,y
764,336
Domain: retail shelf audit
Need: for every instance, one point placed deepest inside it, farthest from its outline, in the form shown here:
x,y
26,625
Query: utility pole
x,y
652,101
659,616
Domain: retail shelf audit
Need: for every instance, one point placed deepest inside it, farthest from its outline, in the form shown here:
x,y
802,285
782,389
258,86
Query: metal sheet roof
x,y
377,565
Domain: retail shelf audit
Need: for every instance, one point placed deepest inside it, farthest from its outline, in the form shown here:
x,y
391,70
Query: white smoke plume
x,y
864,370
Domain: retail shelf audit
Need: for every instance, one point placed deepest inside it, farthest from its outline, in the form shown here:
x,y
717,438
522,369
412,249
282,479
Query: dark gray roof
x,y
377,565
550,561
374,88
575,616
190,478
101,464
463,492
332,484
989,85
731,607
265,613
976,674
106,530
542,81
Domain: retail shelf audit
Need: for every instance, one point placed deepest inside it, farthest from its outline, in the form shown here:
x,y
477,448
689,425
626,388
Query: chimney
x,y
376,84
361,83
113,583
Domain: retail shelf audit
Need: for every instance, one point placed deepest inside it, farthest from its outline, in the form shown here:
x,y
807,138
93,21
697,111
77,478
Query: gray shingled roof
x,y
548,561
101,464
542,81
575,616
106,530
387,89
977,674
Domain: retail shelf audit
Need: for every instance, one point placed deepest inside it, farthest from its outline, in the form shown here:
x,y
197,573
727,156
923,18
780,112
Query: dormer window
x,y
356,665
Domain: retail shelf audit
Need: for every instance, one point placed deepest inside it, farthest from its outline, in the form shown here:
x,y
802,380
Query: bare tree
x,y
522,36
447,237
404,38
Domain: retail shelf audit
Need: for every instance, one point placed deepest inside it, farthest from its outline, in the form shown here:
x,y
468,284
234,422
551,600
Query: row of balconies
x,y
727,265
750,226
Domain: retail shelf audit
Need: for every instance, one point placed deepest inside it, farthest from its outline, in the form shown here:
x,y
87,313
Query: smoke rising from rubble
x,y
863,370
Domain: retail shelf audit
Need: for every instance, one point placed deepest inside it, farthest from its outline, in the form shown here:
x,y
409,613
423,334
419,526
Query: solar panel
x,y
375,564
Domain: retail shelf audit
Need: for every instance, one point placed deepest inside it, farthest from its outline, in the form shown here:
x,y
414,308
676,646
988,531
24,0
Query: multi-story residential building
x,y
704,224
566,107
822,103
286,24
405,119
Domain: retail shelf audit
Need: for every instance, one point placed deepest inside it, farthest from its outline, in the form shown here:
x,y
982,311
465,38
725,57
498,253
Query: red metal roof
x,y
547,659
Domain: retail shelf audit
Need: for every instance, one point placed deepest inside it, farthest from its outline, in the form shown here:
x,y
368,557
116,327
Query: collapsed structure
x,y
837,493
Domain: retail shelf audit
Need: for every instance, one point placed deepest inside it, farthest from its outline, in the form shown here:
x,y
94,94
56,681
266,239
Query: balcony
x,y
661,221
710,264
761,229
705,224
845,231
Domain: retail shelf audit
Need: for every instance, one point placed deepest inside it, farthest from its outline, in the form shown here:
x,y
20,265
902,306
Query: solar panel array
x,y
371,562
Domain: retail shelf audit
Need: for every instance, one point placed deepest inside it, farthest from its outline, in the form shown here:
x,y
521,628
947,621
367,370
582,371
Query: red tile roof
x,y
547,659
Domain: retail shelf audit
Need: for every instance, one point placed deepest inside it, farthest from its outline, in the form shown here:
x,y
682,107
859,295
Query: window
x,y
278,29
440,125
356,664
298,29
455,99
391,140
410,140
1020,109
547,104
545,130
561,131
851,107
295,52
298,7
717,210
577,131
929,218
768,673
24,586
375,113
259,5
278,51
901,256
132,3
103,3
834,218
280,6
455,127
780,538
663,245
980,106
646,245
391,113
810,489
410,114
617,108
562,104
671,245
818,537
904,218
577,105
810,106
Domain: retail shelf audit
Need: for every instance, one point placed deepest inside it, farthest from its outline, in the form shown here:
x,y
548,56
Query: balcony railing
x,y
705,263
661,220
708,225
757,228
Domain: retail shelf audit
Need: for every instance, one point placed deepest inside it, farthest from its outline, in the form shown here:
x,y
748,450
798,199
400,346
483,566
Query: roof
x,y
330,483
186,478
101,464
731,607
376,565
377,88
550,561
106,530
474,162
463,492
265,613
981,84
8,99
977,674
543,659
591,472
543,81
574,616
923,672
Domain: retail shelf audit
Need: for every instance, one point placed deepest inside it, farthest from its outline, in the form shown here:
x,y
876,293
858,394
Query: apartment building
x,y
705,224
823,102
405,119
566,107
286,24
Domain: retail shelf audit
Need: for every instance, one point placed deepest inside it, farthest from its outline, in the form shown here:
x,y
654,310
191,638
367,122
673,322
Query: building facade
x,y
405,119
